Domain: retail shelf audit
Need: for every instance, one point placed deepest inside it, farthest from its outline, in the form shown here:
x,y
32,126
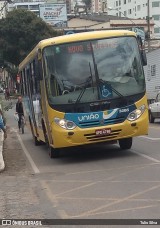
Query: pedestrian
x,y
2,125
7,94
19,111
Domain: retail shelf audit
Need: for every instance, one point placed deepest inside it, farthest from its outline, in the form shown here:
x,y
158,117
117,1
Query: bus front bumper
x,y
81,136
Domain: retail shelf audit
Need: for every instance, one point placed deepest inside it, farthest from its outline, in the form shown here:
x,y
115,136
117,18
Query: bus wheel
x,y
31,127
54,153
125,144
36,142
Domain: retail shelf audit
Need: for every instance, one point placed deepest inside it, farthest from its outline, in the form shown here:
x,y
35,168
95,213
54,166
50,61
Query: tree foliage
x,y
20,31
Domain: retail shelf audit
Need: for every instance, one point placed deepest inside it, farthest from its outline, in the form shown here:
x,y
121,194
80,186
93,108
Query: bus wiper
x,y
113,89
83,90
90,78
96,71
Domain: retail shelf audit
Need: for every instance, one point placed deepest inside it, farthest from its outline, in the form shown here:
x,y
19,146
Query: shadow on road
x,y
93,153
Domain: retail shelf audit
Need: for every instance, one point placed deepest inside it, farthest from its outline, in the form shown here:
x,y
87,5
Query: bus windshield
x,y
89,71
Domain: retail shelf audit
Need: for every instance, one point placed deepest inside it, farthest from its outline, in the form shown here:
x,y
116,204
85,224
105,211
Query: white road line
x,y
145,156
33,165
152,139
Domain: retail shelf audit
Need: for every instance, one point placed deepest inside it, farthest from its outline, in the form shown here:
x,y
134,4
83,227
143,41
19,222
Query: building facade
x,y
28,5
3,9
99,6
33,5
137,9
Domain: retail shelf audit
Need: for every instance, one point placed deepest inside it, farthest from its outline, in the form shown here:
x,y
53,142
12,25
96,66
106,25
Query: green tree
x,y
20,31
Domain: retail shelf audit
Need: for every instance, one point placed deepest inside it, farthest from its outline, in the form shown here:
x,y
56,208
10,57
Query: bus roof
x,y
74,38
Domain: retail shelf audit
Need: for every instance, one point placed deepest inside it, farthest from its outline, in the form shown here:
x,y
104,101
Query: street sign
x,y
54,14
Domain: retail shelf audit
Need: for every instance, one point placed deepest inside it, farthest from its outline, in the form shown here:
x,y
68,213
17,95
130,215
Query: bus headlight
x,y
136,113
66,124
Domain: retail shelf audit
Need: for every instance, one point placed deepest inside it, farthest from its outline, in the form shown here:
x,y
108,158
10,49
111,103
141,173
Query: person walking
x,y
2,125
7,94
19,111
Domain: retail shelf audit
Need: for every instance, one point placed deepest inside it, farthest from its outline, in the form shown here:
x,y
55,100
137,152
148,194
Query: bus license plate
x,y
101,132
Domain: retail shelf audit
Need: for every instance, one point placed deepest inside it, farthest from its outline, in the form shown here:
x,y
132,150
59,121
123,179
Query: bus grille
x,y
105,122
94,137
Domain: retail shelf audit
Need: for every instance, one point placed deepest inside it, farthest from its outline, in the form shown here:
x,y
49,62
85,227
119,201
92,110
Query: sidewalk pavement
x,y
2,165
5,104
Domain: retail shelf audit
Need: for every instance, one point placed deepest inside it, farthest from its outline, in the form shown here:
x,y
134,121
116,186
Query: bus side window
x,y
31,78
25,84
27,75
21,83
36,75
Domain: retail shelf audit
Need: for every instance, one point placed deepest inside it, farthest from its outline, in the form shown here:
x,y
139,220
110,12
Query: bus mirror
x,y
144,57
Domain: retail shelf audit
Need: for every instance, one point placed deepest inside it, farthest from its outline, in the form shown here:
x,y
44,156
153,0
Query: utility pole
x,y
148,23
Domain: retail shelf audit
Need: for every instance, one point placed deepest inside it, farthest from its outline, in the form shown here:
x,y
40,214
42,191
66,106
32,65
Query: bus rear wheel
x,y
125,144
54,152
37,142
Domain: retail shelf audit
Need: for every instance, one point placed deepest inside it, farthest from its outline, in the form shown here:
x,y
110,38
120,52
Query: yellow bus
x,y
86,88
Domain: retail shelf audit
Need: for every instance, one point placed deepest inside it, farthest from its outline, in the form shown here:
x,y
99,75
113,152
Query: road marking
x,y
149,138
92,212
52,197
49,193
106,199
109,169
63,214
33,165
155,127
126,209
145,156
78,188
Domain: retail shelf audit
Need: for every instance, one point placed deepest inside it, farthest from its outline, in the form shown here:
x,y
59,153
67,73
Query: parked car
x,y
154,109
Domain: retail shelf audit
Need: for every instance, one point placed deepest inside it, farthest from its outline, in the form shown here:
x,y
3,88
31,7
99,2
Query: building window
x,y
125,13
129,11
156,30
119,2
156,17
116,3
129,0
22,7
156,4
138,8
34,7
125,1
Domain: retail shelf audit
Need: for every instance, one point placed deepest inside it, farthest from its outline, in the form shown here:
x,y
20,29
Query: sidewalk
x,y
4,104
2,165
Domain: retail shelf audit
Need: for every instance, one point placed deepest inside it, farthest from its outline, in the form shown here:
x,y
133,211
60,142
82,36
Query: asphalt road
x,y
101,181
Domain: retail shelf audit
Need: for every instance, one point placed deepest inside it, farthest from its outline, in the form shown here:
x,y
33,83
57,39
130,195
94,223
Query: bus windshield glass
x,y
90,71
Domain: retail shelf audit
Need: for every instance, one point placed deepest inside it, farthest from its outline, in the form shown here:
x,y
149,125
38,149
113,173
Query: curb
x,y
2,165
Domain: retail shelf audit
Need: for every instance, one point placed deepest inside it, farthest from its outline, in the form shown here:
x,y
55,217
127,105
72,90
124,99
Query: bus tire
x,y
36,142
54,153
45,134
125,144
151,118
31,127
